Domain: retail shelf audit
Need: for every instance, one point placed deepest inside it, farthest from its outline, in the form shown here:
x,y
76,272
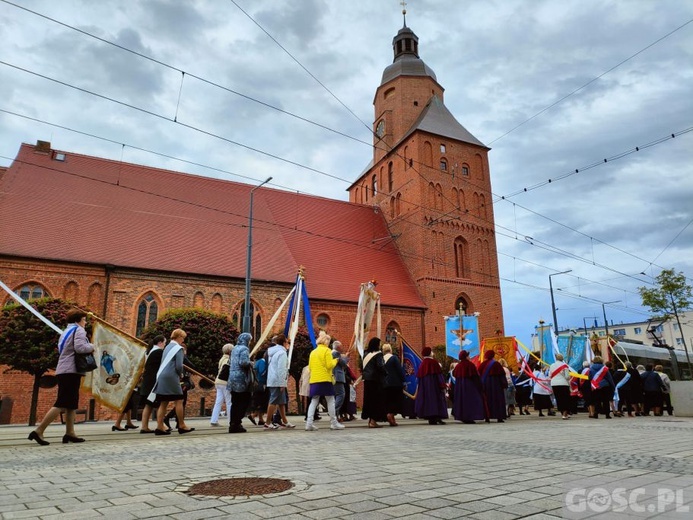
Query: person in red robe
x,y
468,405
429,402
494,383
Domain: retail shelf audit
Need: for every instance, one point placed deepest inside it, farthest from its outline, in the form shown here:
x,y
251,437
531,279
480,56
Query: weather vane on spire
x,y
404,11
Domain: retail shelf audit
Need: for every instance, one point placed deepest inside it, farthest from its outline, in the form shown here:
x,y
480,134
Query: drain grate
x,y
233,487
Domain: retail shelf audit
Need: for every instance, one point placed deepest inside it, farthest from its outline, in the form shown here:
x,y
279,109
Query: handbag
x,y
251,380
84,362
224,372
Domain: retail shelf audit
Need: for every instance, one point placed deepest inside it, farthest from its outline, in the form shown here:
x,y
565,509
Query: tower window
x,y
374,184
465,170
390,177
416,103
443,165
442,148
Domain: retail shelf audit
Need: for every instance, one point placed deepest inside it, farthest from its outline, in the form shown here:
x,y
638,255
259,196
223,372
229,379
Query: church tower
x,y
430,178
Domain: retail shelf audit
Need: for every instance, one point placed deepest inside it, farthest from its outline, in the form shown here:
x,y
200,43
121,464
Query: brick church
x,y
131,242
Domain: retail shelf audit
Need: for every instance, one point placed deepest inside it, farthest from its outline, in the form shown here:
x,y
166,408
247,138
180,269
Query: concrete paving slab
x,y
521,468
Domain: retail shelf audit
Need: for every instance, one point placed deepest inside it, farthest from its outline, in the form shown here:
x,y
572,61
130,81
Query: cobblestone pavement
x,y
520,469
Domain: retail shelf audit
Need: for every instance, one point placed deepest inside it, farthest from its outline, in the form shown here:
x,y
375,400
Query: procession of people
x,y
252,386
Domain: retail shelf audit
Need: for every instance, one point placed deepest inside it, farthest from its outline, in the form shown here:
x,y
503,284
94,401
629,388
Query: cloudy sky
x,y
550,86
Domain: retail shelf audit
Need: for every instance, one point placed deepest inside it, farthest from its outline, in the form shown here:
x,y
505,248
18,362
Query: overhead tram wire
x,y
536,241
367,245
601,162
154,60
187,73
141,149
173,121
672,241
590,82
202,79
302,66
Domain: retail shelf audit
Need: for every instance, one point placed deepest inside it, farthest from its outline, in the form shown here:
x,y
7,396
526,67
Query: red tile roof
x,y
93,210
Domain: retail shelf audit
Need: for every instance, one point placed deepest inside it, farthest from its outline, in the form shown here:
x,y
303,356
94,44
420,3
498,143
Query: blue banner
x,y
545,342
462,338
572,346
410,364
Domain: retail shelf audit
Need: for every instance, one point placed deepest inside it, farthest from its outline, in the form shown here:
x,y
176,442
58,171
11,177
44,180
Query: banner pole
x,y
104,322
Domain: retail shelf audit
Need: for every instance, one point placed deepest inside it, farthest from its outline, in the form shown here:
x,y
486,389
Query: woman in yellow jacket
x,y
321,364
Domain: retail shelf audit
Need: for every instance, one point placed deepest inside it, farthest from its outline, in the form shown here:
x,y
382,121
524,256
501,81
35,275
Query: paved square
x,y
520,469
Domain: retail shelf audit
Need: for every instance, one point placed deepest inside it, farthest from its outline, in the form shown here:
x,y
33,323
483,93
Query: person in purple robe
x,y
468,405
429,402
494,383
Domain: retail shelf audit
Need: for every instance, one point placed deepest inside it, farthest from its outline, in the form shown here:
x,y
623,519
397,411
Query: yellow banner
x,y
121,360
504,347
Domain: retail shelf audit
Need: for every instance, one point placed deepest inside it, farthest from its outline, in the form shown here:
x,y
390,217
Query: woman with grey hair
x,y
223,394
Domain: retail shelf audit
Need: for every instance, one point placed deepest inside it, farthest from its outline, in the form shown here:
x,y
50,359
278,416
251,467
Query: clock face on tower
x,y
380,129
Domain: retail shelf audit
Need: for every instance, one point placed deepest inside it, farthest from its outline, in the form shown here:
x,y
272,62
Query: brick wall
x,y
126,287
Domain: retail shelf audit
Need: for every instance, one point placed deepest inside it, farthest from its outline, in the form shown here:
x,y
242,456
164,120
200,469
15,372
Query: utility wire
x,y
189,74
159,62
201,130
591,81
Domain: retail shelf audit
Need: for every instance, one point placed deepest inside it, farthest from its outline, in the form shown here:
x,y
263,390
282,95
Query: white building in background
x,y
667,331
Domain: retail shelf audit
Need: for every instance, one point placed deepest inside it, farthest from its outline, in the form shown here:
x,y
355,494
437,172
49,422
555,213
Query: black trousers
x,y
239,406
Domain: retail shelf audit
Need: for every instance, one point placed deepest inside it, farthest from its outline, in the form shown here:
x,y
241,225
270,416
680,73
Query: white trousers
x,y
314,405
223,395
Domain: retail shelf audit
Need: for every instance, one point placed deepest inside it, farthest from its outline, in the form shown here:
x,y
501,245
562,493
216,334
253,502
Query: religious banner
x,y
504,347
121,360
461,338
574,348
546,342
410,365
369,305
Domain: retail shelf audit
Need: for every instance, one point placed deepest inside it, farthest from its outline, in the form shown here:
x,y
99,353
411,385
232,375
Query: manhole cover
x,y
233,487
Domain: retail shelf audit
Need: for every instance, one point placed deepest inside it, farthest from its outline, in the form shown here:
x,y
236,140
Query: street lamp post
x,y
553,305
606,323
246,310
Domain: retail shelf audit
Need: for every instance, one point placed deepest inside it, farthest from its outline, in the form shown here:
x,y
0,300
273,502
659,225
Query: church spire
x,y
406,43
404,12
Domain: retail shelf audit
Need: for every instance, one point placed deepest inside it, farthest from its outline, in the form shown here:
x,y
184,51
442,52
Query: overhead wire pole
x,y
553,305
249,258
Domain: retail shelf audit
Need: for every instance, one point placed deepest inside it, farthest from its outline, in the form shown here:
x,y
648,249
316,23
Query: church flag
x,y
410,364
368,306
504,347
573,347
546,343
121,360
465,337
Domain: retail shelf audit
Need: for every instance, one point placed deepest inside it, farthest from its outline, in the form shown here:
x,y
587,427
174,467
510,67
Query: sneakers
x,y
287,426
214,424
335,425
310,427
270,426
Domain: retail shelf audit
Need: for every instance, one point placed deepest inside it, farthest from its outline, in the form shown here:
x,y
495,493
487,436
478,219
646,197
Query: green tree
x,y
27,344
207,333
670,295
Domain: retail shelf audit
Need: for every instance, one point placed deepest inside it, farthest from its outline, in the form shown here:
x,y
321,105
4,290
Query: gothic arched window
x,y
147,312
32,291
461,258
